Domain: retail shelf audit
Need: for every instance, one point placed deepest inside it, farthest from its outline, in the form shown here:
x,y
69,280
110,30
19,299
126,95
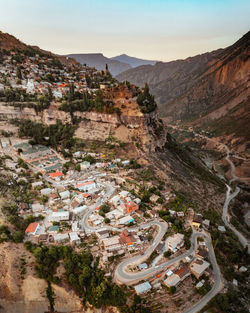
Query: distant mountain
x,y
133,62
99,61
211,89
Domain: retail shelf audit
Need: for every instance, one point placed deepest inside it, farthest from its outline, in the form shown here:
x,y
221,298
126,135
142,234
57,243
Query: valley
x,y
108,207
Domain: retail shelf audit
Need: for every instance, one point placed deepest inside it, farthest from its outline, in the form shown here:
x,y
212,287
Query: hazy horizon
x,y
156,30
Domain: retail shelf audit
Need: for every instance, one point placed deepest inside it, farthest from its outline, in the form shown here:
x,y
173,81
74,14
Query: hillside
x,y
9,42
99,61
202,89
132,61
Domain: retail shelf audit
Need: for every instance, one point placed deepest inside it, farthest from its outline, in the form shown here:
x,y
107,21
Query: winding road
x,y
229,195
123,276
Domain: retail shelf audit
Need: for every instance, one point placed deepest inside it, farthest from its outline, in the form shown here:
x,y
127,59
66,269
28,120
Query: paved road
x,y
109,190
217,286
225,215
130,278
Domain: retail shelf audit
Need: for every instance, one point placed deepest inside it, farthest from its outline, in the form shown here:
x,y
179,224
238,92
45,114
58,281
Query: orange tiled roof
x,y
131,207
56,174
31,228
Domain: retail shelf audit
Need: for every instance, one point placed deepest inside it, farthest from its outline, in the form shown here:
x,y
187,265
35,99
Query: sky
x,y
161,30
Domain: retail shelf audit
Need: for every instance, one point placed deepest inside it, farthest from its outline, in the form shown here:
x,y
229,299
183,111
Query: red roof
x,y
131,207
86,195
182,271
31,228
56,174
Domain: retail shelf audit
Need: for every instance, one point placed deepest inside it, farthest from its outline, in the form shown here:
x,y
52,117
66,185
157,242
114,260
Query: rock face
x,y
209,87
131,126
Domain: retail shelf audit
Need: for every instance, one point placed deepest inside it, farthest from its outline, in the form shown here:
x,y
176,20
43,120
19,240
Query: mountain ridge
x,y
133,61
99,61
202,89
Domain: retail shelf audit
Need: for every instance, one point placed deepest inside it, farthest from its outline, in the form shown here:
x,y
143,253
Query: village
x,y
91,207
36,73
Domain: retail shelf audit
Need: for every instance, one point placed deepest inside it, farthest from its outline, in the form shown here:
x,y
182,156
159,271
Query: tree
x,y
50,95
50,295
167,254
19,73
106,220
172,289
78,167
18,236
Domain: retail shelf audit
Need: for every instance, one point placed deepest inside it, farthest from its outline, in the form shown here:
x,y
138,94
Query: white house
x,y
142,288
37,207
46,191
86,186
126,220
59,216
64,194
80,209
74,238
175,242
61,237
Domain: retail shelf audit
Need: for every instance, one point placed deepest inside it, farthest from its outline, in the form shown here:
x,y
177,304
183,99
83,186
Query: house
x,y
142,266
37,184
114,214
175,242
137,201
126,220
56,175
142,288
198,267
200,284
111,244
222,229
172,281
64,194
126,162
124,194
61,237
84,165
180,214
116,200
80,209
59,216
75,226
32,229
24,206
183,272
46,191
127,238
37,207
102,233
154,198
86,186
197,220
206,224
74,238
128,207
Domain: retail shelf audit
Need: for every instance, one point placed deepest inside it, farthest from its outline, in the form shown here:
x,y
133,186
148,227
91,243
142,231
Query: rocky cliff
x,y
211,89
129,126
